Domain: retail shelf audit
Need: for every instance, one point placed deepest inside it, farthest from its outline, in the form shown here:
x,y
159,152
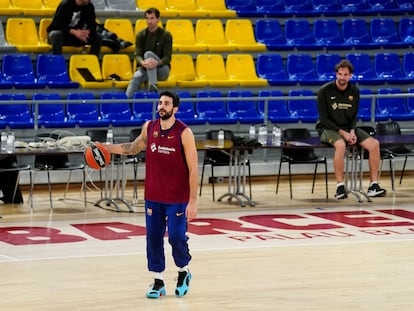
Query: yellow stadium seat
x,y
141,24
211,68
123,28
239,33
211,33
6,8
117,67
32,7
215,8
185,8
241,68
183,71
161,5
22,33
51,4
43,24
90,62
182,31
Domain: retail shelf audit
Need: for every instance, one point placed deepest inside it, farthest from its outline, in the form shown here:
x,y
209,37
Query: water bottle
x,y
110,136
263,134
252,132
3,141
220,138
276,135
10,141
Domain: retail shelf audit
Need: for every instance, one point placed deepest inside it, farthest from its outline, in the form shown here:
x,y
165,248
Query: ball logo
x,y
98,156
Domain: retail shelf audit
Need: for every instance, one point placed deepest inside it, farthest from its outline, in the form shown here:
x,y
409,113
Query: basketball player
x,y
171,180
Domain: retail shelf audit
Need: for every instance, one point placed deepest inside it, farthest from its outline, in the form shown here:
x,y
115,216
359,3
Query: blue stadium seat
x,y
271,68
327,34
300,68
82,111
186,112
215,112
245,111
305,109
406,6
408,64
328,7
383,7
115,107
395,108
384,33
363,69
300,8
244,8
387,67
325,66
52,112
355,32
143,110
410,101
16,116
272,8
365,106
356,7
52,69
406,30
277,111
298,34
18,69
270,33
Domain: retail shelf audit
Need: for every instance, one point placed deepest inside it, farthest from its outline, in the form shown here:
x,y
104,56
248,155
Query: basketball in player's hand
x,y
97,156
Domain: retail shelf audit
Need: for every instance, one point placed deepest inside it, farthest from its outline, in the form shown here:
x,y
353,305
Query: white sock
x,y
158,275
185,268
373,182
340,184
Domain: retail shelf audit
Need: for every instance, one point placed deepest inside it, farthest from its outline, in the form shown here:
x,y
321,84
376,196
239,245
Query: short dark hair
x,y
345,64
153,11
174,96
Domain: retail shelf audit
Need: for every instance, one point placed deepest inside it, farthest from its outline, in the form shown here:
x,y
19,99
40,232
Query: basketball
x,y
97,156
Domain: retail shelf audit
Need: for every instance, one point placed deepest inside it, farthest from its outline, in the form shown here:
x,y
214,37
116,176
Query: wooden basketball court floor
x,y
302,254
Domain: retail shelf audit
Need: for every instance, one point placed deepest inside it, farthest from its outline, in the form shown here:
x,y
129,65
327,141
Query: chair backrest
x,y
305,109
21,31
50,67
239,31
298,5
365,104
274,107
52,4
326,32
391,106
211,109
269,31
115,110
82,110
325,65
326,5
219,158
210,31
122,27
271,65
54,111
380,5
144,110
298,32
241,5
383,30
388,128
182,30
353,5
88,61
355,31
363,68
243,107
408,64
300,67
6,8
182,68
212,5
18,68
117,64
15,112
388,66
406,29
97,134
241,67
211,67
294,134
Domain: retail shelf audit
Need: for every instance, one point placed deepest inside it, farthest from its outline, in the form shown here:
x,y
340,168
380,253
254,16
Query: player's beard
x,y
166,115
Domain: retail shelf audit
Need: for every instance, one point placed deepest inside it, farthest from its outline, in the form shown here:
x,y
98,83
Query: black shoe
x,y
153,88
376,191
341,192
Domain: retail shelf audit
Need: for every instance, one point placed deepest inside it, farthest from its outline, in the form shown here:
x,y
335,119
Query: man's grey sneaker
x,y
376,191
341,192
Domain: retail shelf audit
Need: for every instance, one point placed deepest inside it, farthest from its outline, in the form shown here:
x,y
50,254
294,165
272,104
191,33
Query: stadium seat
x,y
327,7
406,6
115,108
363,69
327,34
161,5
186,112
410,101
300,68
144,106
408,64
272,68
182,30
52,4
18,69
117,67
325,66
32,7
269,32
215,111
384,33
244,8
277,111
212,69
272,8
215,9
22,33
365,106
210,32
5,47
16,116
357,7
245,111
394,107
183,71
239,33
383,7
186,8
82,110
241,68
91,63
300,8
406,30
6,8
123,28
305,109
51,111
298,34
387,67
355,32
52,69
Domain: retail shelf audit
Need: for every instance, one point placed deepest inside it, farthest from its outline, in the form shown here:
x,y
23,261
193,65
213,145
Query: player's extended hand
x,y
191,211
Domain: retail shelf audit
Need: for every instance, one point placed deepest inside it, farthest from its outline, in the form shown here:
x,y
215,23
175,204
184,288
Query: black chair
x,y
218,158
300,155
10,170
393,128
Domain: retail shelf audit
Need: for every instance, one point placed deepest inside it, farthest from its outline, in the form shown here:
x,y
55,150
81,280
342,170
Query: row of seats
x,y
283,8
328,33
302,69
168,8
83,109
